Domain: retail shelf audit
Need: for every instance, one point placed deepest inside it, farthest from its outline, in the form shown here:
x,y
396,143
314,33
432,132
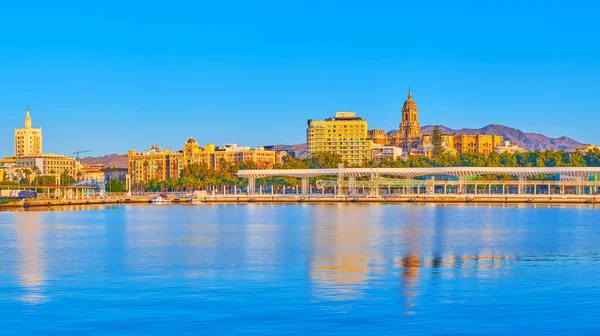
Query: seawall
x,y
312,199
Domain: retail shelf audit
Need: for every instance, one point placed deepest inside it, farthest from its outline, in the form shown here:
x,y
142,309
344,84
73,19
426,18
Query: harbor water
x,y
306,269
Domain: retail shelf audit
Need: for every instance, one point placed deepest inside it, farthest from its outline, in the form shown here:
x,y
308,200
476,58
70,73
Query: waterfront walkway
x,y
432,182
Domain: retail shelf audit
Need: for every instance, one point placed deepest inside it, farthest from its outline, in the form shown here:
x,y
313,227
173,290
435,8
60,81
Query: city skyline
x,y
196,71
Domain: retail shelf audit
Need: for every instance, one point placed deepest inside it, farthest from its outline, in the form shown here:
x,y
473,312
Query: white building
x,y
380,152
507,147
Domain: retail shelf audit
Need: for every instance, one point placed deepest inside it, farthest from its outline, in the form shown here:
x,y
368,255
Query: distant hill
x,y
300,150
529,141
112,160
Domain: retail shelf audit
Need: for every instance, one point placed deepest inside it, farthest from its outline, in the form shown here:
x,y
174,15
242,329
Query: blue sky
x,y
112,76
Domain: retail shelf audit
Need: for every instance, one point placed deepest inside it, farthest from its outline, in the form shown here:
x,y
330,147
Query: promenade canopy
x,y
416,172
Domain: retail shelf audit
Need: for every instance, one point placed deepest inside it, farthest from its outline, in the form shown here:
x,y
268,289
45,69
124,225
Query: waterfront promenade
x,y
496,182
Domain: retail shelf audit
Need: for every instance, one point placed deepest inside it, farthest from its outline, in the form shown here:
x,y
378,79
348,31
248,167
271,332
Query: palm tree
x,y
27,173
36,170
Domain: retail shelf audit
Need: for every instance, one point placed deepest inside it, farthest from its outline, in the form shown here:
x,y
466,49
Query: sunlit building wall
x,y
28,140
345,134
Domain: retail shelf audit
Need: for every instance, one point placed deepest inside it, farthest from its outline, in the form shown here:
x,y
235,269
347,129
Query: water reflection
x,y
354,250
63,208
340,257
266,267
31,265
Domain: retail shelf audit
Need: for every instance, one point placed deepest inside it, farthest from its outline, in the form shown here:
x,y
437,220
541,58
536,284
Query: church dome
x,y
191,141
409,104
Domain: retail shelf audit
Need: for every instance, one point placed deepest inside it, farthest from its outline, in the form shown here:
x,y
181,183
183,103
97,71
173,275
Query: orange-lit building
x,y
477,143
234,154
154,164
193,153
91,174
161,164
378,136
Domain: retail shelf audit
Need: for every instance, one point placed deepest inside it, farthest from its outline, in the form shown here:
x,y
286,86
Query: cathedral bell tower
x,y
409,127
409,138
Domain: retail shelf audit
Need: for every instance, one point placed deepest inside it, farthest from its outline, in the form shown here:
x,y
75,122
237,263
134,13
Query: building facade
x,y
381,152
153,164
28,140
91,174
409,137
447,145
507,147
584,148
477,143
233,153
378,136
193,153
114,173
345,134
41,165
158,164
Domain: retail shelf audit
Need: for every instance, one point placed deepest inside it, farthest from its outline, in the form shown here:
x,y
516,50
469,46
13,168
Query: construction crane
x,y
81,151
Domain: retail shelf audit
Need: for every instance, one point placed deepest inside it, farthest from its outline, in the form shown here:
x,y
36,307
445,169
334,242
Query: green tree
x,y
115,186
592,158
436,142
27,174
325,160
66,178
577,160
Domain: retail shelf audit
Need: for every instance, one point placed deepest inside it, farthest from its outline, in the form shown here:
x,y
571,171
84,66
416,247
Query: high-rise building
x,y
409,138
345,134
28,140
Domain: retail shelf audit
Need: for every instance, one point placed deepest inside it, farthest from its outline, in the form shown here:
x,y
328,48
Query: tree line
x,y
202,177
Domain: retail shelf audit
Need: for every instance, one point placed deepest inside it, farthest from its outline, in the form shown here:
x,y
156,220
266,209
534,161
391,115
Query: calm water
x,y
301,269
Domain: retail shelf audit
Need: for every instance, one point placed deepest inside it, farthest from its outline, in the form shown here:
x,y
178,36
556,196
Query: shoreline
x,y
310,199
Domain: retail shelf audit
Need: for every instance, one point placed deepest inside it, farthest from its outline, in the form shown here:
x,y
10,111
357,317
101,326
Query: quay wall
x,y
313,199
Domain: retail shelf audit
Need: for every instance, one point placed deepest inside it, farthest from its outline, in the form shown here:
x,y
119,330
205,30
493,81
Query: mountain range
x,y
529,141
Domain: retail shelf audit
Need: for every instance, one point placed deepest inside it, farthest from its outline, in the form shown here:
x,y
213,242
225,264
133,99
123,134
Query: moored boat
x,y
159,199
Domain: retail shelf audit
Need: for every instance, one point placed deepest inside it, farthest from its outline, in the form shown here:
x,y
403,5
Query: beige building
x,y
447,145
477,143
91,174
28,140
345,134
154,164
158,164
233,153
586,148
193,153
43,164
378,136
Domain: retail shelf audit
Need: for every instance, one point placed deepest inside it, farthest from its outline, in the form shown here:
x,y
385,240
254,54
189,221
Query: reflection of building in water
x,y
341,257
411,265
31,256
